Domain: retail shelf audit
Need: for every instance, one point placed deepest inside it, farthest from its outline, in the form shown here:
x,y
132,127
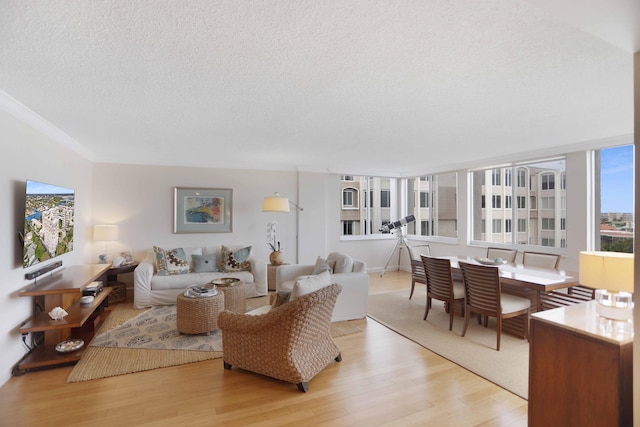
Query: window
x,y
563,181
495,177
522,226
385,198
424,199
548,181
347,228
547,203
483,201
432,199
522,178
563,223
532,179
362,211
346,178
347,198
616,224
496,202
548,224
548,242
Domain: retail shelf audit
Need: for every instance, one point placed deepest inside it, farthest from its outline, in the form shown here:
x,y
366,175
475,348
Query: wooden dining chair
x,y
484,296
508,255
417,269
541,260
441,286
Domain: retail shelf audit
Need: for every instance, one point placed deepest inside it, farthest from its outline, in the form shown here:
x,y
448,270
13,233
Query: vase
x,y
276,258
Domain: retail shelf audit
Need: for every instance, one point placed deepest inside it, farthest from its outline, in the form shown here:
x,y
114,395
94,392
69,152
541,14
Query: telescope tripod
x,y
400,243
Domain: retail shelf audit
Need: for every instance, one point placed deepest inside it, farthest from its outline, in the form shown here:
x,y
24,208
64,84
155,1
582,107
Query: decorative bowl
x,y
489,261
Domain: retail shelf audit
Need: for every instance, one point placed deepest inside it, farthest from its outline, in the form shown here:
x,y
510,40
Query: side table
x,y
119,289
198,315
234,298
271,276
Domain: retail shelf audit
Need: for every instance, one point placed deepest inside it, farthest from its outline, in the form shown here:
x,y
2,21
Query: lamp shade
x,y
612,271
105,232
275,203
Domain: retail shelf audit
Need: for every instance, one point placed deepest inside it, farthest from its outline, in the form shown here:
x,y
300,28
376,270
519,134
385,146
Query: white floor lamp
x,y
278,203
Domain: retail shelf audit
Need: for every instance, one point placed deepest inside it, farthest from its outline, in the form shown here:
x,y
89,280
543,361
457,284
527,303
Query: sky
x,y
616,179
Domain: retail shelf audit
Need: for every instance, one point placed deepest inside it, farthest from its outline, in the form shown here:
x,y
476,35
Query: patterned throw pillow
x,y
237,260
171,262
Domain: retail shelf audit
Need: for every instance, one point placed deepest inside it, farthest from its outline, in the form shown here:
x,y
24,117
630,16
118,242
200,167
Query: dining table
x,y
525,280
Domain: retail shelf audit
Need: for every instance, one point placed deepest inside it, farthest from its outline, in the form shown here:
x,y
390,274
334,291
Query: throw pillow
x,y
321,266
171,262
281,298
309,284
229,263
204,263
344,263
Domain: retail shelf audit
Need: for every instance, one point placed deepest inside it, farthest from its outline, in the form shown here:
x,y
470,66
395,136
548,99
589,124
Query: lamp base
x,y
614,305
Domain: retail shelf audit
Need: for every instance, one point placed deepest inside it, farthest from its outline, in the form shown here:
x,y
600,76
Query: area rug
x,y
107,361
508,368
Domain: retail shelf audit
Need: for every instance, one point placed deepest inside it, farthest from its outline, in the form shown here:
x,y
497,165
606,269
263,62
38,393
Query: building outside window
x,y
533,227
438,216
367,204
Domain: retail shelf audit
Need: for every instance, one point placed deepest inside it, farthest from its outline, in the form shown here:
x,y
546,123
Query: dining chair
x,y
441,286
541,260
508,255
484,296
417,269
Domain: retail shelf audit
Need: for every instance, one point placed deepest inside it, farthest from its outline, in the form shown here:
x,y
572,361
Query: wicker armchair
x,y
291,342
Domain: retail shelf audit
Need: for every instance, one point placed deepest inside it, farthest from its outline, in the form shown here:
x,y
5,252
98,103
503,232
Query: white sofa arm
x,y
142,284
359,266
259,271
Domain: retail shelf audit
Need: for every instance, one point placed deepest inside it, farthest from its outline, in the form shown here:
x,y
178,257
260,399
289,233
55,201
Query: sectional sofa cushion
x,y
173,261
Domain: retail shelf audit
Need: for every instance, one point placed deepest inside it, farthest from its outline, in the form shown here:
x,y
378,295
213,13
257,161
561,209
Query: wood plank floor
x,y
383,380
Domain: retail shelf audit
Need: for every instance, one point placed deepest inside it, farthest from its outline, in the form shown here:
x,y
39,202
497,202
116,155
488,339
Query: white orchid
x,y
271,236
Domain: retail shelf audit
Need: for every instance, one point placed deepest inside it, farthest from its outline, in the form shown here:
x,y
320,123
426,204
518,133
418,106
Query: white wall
x,y
28,154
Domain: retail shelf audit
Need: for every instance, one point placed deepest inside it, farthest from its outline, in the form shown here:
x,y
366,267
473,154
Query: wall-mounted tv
x,y
48,222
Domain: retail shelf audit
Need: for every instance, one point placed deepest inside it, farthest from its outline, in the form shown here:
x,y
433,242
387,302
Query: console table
x,y
119,289
580,368
64,289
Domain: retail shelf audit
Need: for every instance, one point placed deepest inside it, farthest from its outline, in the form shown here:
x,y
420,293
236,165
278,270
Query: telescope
x,y
397,224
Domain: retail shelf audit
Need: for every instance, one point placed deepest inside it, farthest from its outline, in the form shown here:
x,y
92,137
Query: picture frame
x,y
202,210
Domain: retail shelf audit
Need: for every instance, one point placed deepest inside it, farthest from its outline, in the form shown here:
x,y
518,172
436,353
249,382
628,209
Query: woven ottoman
x,y
198,315
234,298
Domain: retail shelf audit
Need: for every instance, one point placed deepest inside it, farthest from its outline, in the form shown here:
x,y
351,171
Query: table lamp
x,y
611,274
105,233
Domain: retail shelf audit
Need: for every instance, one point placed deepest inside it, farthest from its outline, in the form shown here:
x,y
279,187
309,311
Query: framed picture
x,y
202,210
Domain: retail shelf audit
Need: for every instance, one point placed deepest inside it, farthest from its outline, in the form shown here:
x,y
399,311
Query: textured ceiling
x,y
363,87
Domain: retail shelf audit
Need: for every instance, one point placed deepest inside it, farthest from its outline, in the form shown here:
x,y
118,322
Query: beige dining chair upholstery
x,y
441,286
541,260
484,296
508,255
417,269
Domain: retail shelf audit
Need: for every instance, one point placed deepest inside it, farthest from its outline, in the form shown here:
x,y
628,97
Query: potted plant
x,y
275,257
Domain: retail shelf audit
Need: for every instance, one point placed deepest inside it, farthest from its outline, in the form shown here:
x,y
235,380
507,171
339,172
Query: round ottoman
x,y
234,298
198,315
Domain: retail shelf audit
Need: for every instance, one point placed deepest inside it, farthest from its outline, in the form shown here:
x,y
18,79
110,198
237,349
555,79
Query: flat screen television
x,y
48,222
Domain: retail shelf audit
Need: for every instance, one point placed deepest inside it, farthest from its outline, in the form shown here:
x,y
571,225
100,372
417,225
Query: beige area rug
x,y
508,368
101,362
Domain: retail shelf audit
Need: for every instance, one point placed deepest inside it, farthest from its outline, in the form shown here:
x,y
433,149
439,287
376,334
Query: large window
x,y
367,204
616,199
533,180
432,199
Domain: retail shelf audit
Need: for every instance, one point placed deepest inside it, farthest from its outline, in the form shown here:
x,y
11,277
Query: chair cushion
x,y
458,290
323,265
309,284
344,263
512,303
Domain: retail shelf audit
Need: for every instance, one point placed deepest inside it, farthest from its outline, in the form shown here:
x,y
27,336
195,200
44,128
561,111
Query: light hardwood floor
x,y
383,380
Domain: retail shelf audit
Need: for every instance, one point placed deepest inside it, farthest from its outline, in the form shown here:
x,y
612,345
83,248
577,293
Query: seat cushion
x,y
512,303
458,290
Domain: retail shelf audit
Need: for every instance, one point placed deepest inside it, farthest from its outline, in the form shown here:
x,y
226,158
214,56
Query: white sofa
x,y
150,289
352,274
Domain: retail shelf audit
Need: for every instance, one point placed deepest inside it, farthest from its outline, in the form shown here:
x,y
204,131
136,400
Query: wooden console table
x,y
580,368
64,289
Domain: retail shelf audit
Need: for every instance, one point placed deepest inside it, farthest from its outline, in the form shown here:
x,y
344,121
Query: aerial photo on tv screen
x,y
48,222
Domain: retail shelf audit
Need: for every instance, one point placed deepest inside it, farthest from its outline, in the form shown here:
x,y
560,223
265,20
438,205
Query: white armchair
x,y
352,274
